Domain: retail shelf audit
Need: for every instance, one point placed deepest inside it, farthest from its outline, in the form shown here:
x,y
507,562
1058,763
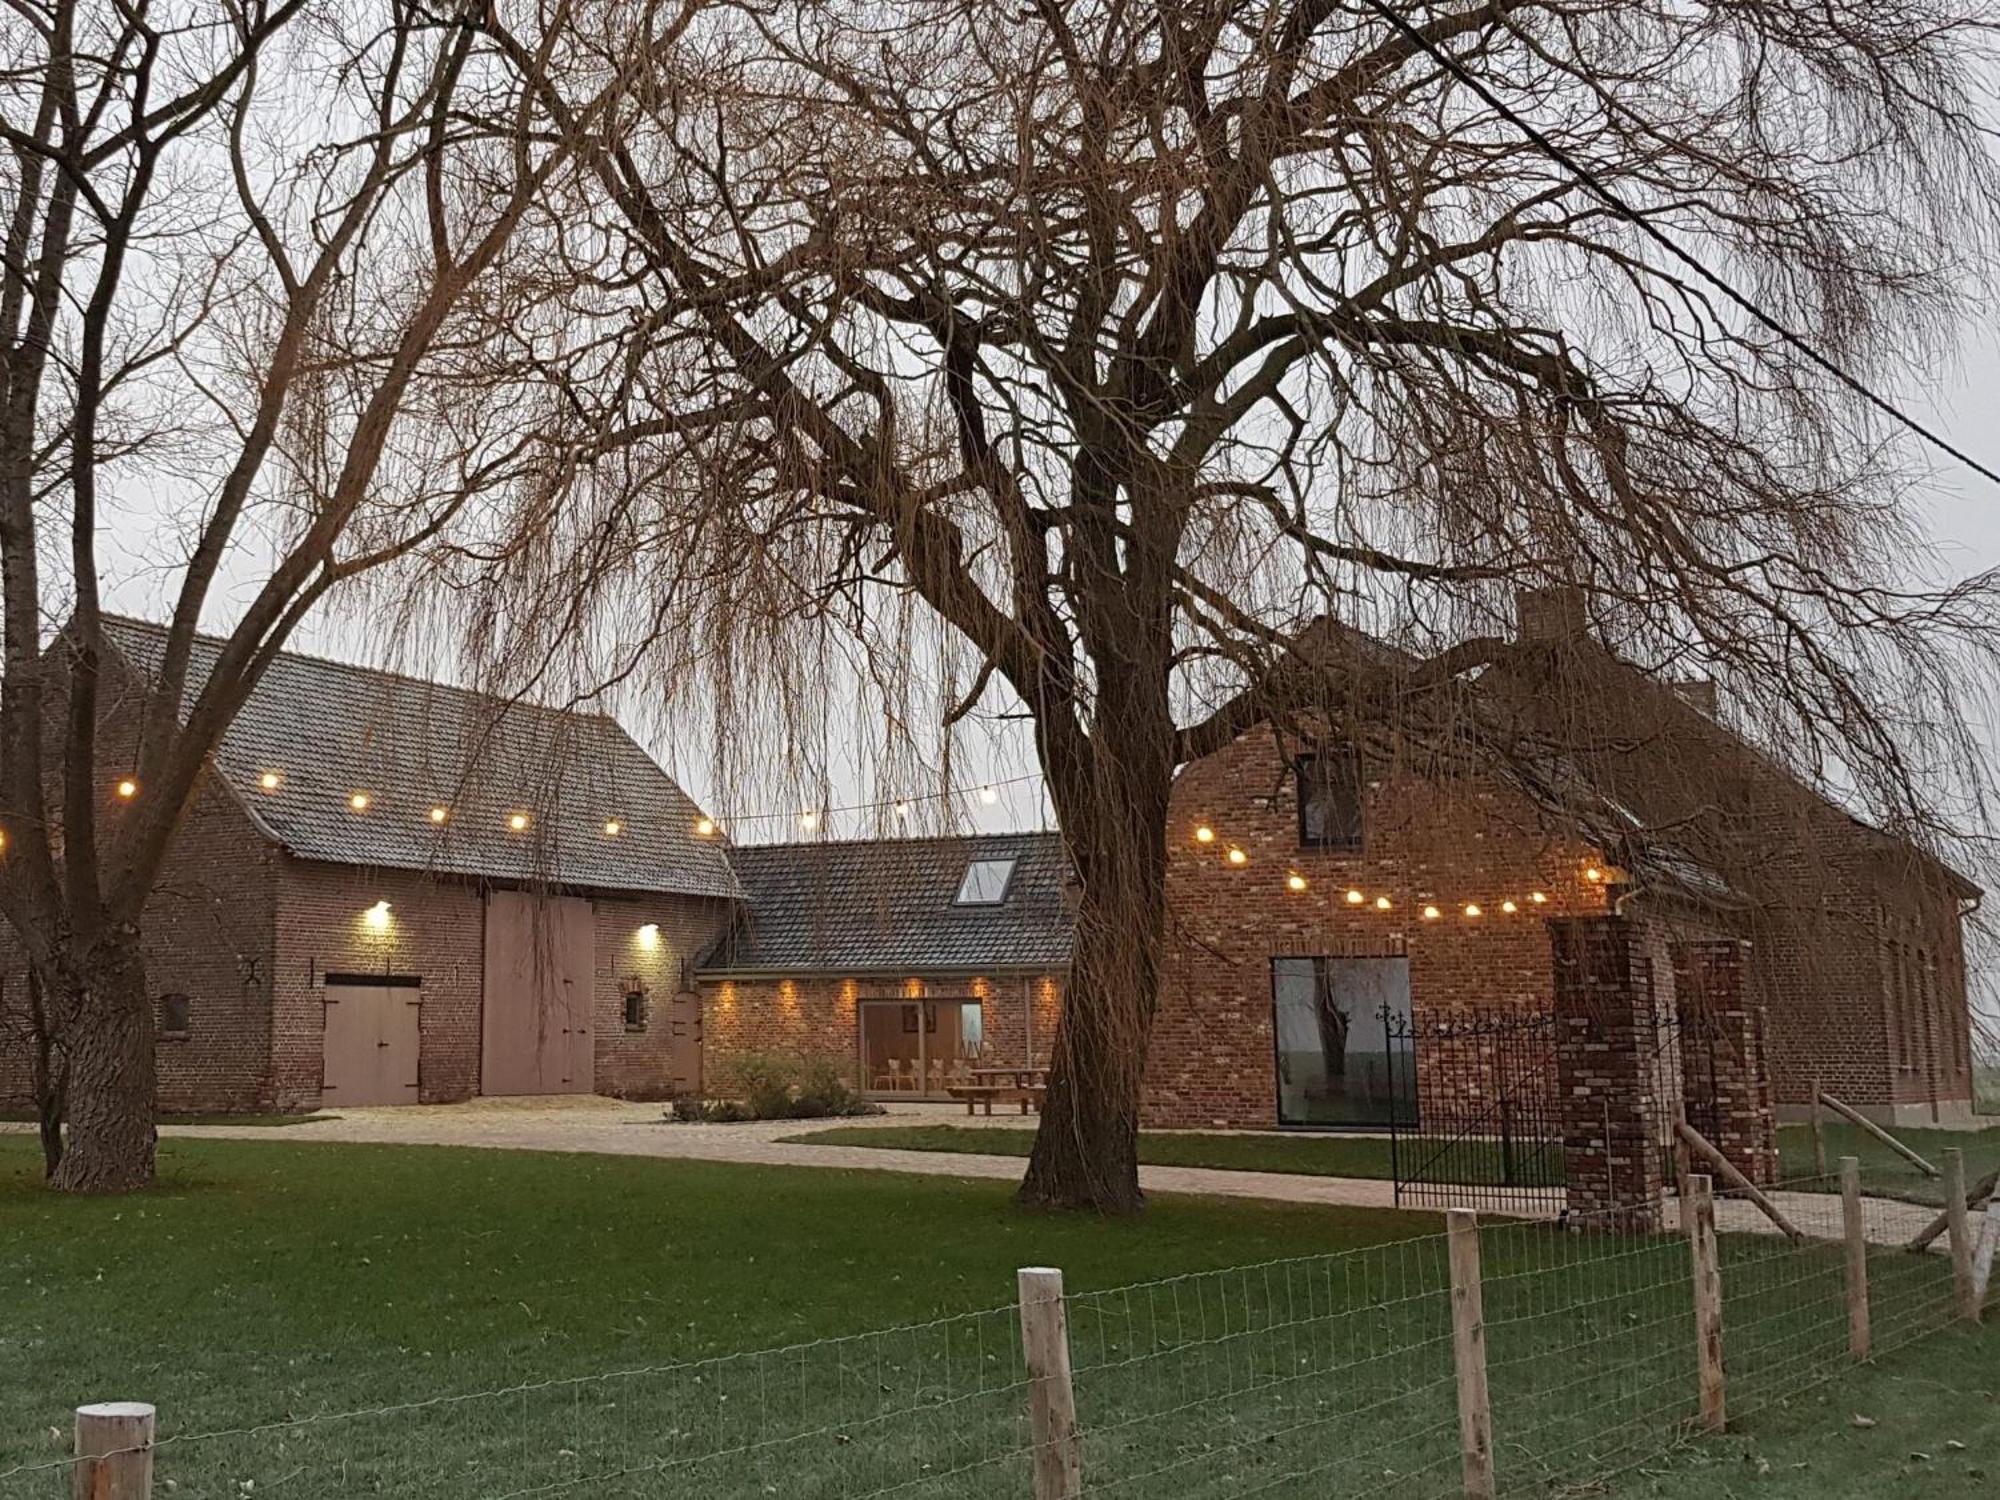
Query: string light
x,y
989,795
358,802
439,814
902,812
1593,875
270,781
1204,835
1472,909
809,821
518,822
1509,907
1296,881
1382,903
1540,898
612,828
1238,857
1355,898
128,789
705,827
1431,913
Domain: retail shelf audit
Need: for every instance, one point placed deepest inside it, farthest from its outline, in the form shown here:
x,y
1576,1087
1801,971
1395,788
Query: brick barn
x,y
388,891
901,962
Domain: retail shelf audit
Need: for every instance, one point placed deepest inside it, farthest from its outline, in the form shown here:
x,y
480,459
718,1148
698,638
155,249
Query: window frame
x,y
164,1032
1011,864
1305,769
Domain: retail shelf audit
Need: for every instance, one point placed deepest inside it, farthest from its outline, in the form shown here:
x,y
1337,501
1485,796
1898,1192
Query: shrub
x,y
776,1086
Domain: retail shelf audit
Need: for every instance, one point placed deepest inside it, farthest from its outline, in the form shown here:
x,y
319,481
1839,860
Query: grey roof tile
x,y
329,730
887,906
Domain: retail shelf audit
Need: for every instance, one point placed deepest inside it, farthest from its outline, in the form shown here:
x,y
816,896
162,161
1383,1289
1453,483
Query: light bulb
x,y
128,789
1431,913
439,814
1381,903
1355,898
705,827
1296,881
1509,907
269,781
612,828
359,802
1204,835
1472,909
1238,857
518,822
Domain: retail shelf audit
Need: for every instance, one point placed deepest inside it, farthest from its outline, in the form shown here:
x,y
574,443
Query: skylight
x,y
985,883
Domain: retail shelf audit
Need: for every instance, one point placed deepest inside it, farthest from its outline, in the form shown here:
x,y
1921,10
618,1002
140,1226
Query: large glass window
x,y
1330,800
1344,1049
915,1049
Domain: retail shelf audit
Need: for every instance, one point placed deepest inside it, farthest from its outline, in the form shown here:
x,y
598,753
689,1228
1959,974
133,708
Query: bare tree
x,y
257,280
1132,340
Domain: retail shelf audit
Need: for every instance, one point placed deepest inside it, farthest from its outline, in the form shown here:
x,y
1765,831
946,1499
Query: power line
x,y
1591,180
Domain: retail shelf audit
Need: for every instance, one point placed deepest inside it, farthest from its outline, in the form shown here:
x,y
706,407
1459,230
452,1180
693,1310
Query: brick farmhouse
x,y
391,891
387,891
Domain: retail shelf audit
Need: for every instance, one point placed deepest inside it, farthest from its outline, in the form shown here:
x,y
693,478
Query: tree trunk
x,y
109,1048
1086,1152
50,1075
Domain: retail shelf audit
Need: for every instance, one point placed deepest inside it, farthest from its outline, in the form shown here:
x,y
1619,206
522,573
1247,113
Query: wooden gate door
x,y
372,1043
536,1035
684,1033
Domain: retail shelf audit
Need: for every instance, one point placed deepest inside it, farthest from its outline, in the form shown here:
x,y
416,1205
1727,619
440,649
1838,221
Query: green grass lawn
x,y
1369,1157
1222,1348
1314,1155
1882,1170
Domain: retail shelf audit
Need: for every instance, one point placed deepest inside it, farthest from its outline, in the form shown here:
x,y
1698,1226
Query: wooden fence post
x,y
1468,1344
1051,1395
1818,1131
1989,1245
1958,1223
1857,1256
1707,1301
114,1451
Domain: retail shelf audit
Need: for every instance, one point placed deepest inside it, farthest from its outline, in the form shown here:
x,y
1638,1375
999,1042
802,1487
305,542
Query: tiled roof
x,y
887,906
328,730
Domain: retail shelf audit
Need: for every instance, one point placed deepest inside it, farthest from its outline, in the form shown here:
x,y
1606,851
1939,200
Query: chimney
x,y
1698,694
1557,613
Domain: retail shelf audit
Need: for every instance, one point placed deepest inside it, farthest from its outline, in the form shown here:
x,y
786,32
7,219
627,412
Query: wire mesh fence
x,y
1338,1374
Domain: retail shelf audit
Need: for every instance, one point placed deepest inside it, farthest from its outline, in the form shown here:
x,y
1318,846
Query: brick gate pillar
x,y
1723,1056
1607,1071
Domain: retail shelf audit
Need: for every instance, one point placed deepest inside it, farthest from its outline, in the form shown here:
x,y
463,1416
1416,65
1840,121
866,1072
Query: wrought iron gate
x,y
1486,1127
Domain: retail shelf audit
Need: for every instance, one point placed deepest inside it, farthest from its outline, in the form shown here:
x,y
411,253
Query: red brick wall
x,y
1425,843
639,1064
814,1016
207,934
437,931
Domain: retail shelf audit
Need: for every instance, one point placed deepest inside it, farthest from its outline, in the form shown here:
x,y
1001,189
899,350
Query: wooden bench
x,y
977,1094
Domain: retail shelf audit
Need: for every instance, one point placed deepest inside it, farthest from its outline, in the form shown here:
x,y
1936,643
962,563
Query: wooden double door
x,y
373,1041
537,1033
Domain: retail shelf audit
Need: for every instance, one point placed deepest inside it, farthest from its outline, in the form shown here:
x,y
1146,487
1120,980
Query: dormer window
x,y
1330,800
985,883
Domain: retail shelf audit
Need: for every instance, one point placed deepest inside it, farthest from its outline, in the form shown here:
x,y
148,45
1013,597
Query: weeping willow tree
x,y
1127,342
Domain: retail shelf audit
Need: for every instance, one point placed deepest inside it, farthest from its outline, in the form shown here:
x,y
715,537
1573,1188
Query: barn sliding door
x,y
536,1034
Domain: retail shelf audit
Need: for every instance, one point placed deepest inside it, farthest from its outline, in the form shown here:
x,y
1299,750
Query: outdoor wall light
x,y
377,916
648,937
128,788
